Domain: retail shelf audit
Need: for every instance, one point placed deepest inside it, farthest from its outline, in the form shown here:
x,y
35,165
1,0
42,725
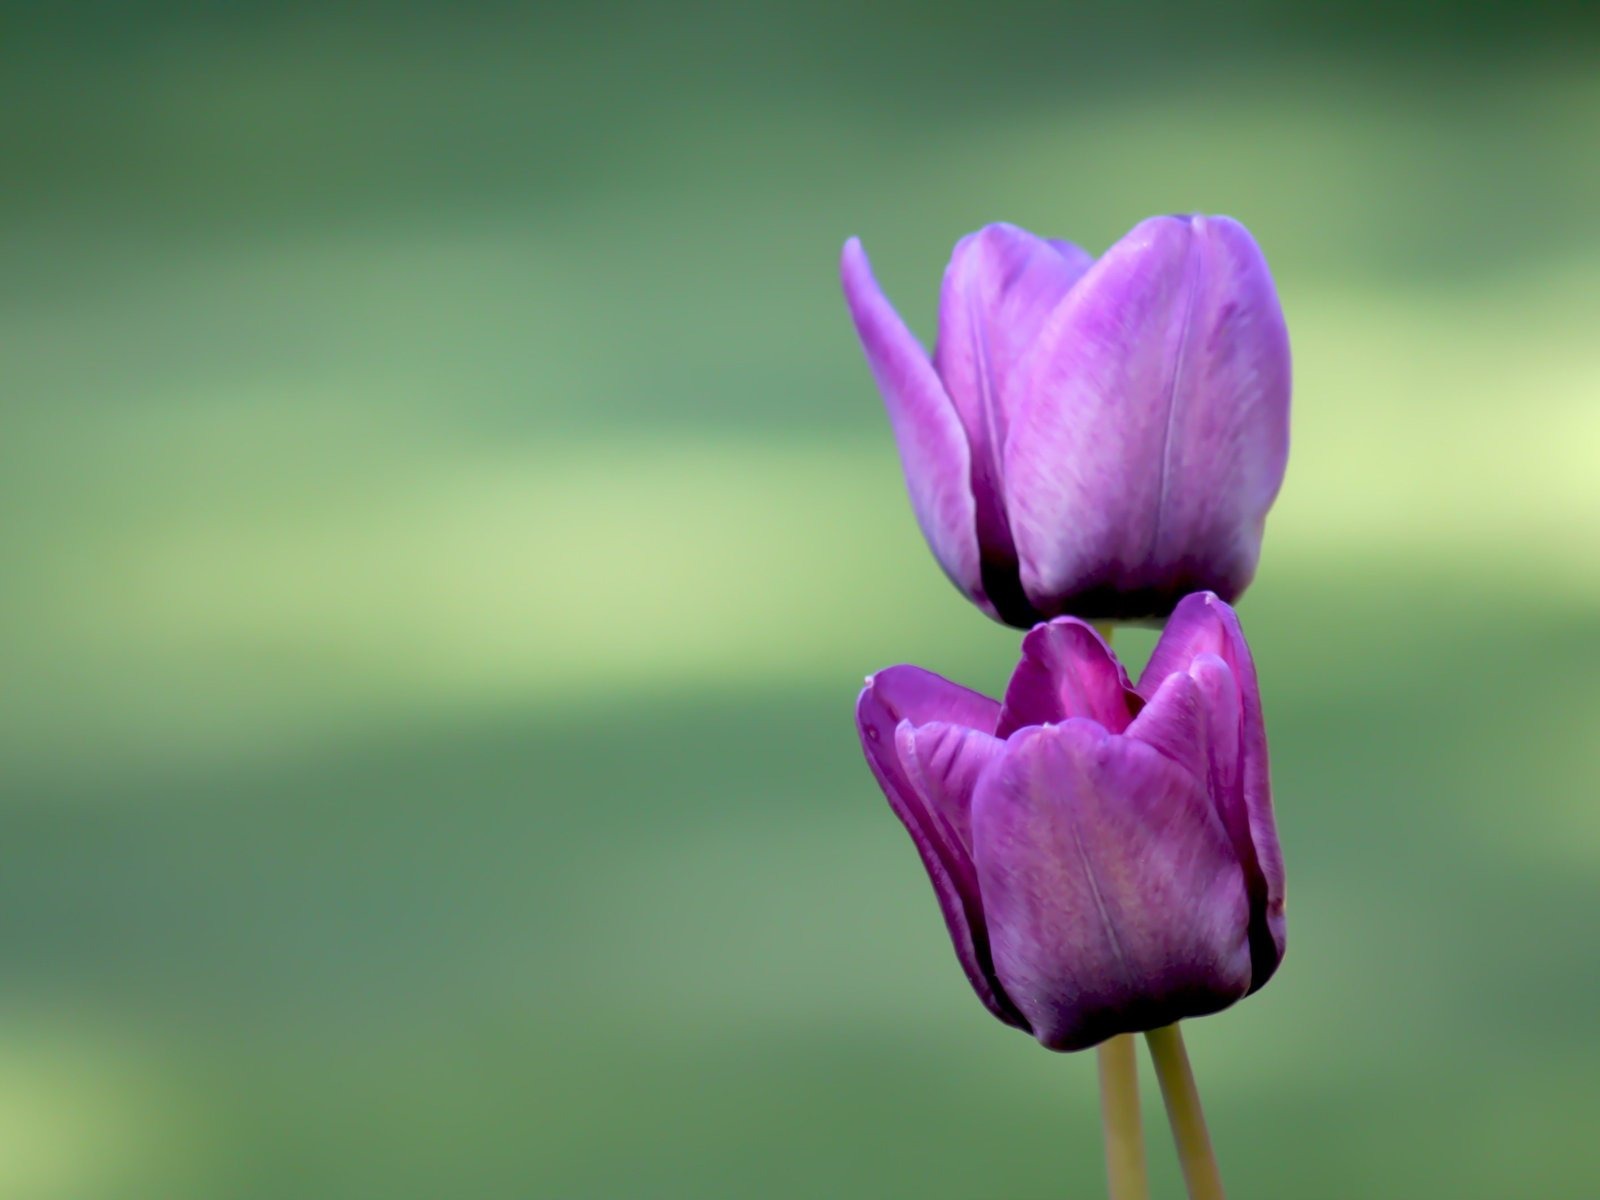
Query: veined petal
x,y
1227,442
943,763
1202,626
1153,429
1067,670
923,788
933,446
1001,285
1083,451
1113,900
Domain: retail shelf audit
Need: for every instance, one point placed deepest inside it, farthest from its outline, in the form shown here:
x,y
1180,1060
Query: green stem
x,y
1119,1116
1119,1099
1183,1113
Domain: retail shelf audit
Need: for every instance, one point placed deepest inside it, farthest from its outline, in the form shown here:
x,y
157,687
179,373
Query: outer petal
x,y
1001,285
1228,439
1203,626
1067,670
933,447
1154,432
1193,719
923,786
1113,899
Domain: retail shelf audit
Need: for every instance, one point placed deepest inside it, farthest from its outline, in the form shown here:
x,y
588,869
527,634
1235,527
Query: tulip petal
x,y
1113,899
1194,718
943,763
921,697
1176,722
933,447
1153,432
1067,670
1228,438
924,788
1001,285
1204,626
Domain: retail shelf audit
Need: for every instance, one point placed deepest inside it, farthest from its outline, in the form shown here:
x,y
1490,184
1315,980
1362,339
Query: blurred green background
x,y
447,520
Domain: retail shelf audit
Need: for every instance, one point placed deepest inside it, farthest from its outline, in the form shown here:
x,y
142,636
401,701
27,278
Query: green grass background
x,y
446,522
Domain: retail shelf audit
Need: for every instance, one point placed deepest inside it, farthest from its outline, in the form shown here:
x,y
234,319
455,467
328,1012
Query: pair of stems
x,y
1119,1106
1119,1113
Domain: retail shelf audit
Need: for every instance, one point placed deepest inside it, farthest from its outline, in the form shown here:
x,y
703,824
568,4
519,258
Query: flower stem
x,y
1183,1113
1119,1115
1119,1097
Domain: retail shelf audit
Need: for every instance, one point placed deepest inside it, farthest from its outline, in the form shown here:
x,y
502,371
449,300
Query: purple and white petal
x,y
1152,431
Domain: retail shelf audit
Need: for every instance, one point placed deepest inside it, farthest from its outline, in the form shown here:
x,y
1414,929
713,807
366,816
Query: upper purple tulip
x,y
1094,438
1105,855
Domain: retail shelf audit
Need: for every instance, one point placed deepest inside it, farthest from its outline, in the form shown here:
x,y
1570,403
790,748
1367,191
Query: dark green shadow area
x,y
682,949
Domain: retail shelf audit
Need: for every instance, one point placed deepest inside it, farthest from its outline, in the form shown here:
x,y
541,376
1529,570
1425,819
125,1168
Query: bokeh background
x,y
446,521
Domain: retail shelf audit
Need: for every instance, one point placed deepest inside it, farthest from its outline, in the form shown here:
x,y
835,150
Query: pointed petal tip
x,y
1165,225
932,444
1038,638
855,270
1196,602
1066,670
906,692
1223,226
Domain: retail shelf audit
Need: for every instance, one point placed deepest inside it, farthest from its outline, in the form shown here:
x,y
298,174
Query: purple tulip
x,y
1092,438
1105,855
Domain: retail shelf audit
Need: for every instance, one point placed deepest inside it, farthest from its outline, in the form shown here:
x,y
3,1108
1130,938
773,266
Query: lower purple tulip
x,y
1105,855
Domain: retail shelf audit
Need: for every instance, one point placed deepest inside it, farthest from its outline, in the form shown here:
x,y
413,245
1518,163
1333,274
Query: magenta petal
x,y
1176,722
923,787
933,447
1154,430
943,763
1082,457
1067,670
1194,719
921,697
916,698
1113,899
1001,285
1203,626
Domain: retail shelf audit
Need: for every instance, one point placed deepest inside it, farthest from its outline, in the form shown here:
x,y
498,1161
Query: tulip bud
x,y
1104,855
1093,438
